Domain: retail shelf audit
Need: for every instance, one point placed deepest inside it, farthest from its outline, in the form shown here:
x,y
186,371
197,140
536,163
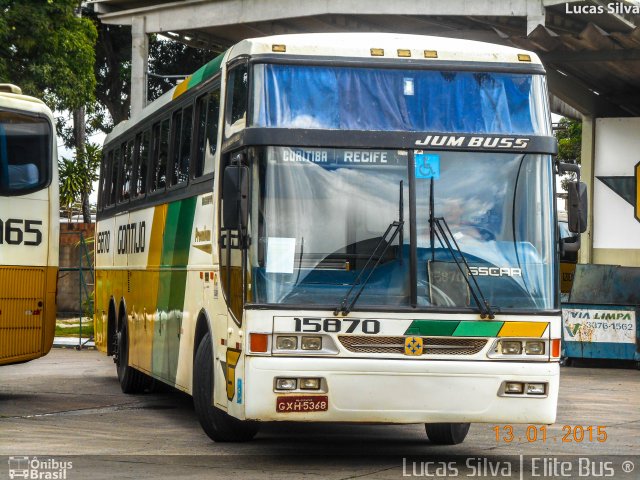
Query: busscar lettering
x,y
131,238
463,141
495,271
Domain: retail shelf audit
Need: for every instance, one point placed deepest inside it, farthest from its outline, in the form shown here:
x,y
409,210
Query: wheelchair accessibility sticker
x,y
427,165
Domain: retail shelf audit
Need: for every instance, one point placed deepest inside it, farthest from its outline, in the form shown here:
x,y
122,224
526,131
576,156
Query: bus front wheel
x,y
217,424
447,433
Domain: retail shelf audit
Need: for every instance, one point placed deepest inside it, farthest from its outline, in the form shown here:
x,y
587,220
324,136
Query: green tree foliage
x,y
113,70
48,51
78,175
167,57
569,135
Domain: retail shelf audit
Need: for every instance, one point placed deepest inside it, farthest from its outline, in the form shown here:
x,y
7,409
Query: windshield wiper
x,y
393,229
446,239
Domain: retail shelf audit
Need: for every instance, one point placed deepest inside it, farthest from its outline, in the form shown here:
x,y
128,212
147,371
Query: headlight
x,y
536,388
286,343
534,348
511,347
286,383
514,387
309,384
311,343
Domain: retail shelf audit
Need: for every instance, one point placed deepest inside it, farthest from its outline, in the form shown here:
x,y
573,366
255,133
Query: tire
x,y
218,425
447,433
131,380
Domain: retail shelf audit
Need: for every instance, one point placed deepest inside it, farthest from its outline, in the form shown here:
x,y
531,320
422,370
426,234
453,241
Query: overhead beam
x,y
594,56
195,14
572,91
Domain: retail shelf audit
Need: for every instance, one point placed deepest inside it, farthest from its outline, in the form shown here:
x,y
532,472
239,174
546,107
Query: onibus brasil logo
x,y
33,468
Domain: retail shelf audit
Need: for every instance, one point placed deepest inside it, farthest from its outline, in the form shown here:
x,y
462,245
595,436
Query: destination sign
x,y
338,157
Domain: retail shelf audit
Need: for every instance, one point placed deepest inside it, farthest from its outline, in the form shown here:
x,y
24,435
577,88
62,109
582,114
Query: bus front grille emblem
x,y
413,346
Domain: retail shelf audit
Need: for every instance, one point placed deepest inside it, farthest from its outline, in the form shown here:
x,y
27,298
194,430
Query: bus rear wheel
x,y
218,425
131,380
447,433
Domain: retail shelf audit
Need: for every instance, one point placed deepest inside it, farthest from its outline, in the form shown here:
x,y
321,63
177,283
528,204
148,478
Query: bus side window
x,y
142,163
160,153
113,178
208,114
103,173
127,170
201,125
181,144
237,97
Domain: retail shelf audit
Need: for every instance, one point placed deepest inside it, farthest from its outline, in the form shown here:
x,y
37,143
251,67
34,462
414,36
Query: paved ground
x,y
69,403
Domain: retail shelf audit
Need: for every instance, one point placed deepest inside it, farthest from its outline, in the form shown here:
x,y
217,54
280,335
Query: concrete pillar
x,y
535,14
587,156
139,64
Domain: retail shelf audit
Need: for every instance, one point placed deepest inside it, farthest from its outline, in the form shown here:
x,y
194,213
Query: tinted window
x,y
127,170
181,145
142,165
160,154
209,110
237,95
25,152
201,131
104,171
113,178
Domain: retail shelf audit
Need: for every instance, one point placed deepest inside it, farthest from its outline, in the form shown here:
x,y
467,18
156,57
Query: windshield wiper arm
x,y
446,238
394,228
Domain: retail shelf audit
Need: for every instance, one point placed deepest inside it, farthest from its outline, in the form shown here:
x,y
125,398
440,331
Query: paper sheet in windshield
x,y
280,254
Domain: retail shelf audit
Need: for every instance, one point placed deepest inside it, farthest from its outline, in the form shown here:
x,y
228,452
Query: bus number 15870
x,y
335,325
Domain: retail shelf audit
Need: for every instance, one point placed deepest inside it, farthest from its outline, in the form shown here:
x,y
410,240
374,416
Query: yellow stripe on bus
x,y
181,87
522,329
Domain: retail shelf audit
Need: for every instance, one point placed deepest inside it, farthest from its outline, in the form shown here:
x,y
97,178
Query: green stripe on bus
x,y
213,66
478,329
171,287
197,77
432,328
177,233
206,72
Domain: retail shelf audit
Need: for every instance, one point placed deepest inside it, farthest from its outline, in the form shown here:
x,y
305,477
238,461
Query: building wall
x,y
616,231
68,297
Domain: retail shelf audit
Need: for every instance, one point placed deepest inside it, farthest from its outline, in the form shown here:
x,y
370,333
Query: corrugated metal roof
x,y
606,64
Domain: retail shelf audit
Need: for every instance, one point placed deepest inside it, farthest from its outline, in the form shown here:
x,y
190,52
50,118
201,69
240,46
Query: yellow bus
x,y
29,226
338,228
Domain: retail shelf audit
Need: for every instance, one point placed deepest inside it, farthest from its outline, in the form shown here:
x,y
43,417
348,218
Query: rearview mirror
x,y
578,208
235,197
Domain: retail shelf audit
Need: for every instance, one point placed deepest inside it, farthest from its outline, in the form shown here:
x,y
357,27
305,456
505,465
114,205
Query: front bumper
x,y
404,391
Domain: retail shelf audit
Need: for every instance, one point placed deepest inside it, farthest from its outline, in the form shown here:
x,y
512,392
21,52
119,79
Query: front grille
x,y
432,345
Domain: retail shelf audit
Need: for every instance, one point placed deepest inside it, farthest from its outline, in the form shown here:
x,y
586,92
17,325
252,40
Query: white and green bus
x,y
338,228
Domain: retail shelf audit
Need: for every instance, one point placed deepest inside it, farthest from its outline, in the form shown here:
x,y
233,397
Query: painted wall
x,y
616,231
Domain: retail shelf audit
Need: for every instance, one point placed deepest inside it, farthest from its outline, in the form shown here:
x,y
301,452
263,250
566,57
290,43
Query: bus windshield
x,y
349,98
25,145
322,212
